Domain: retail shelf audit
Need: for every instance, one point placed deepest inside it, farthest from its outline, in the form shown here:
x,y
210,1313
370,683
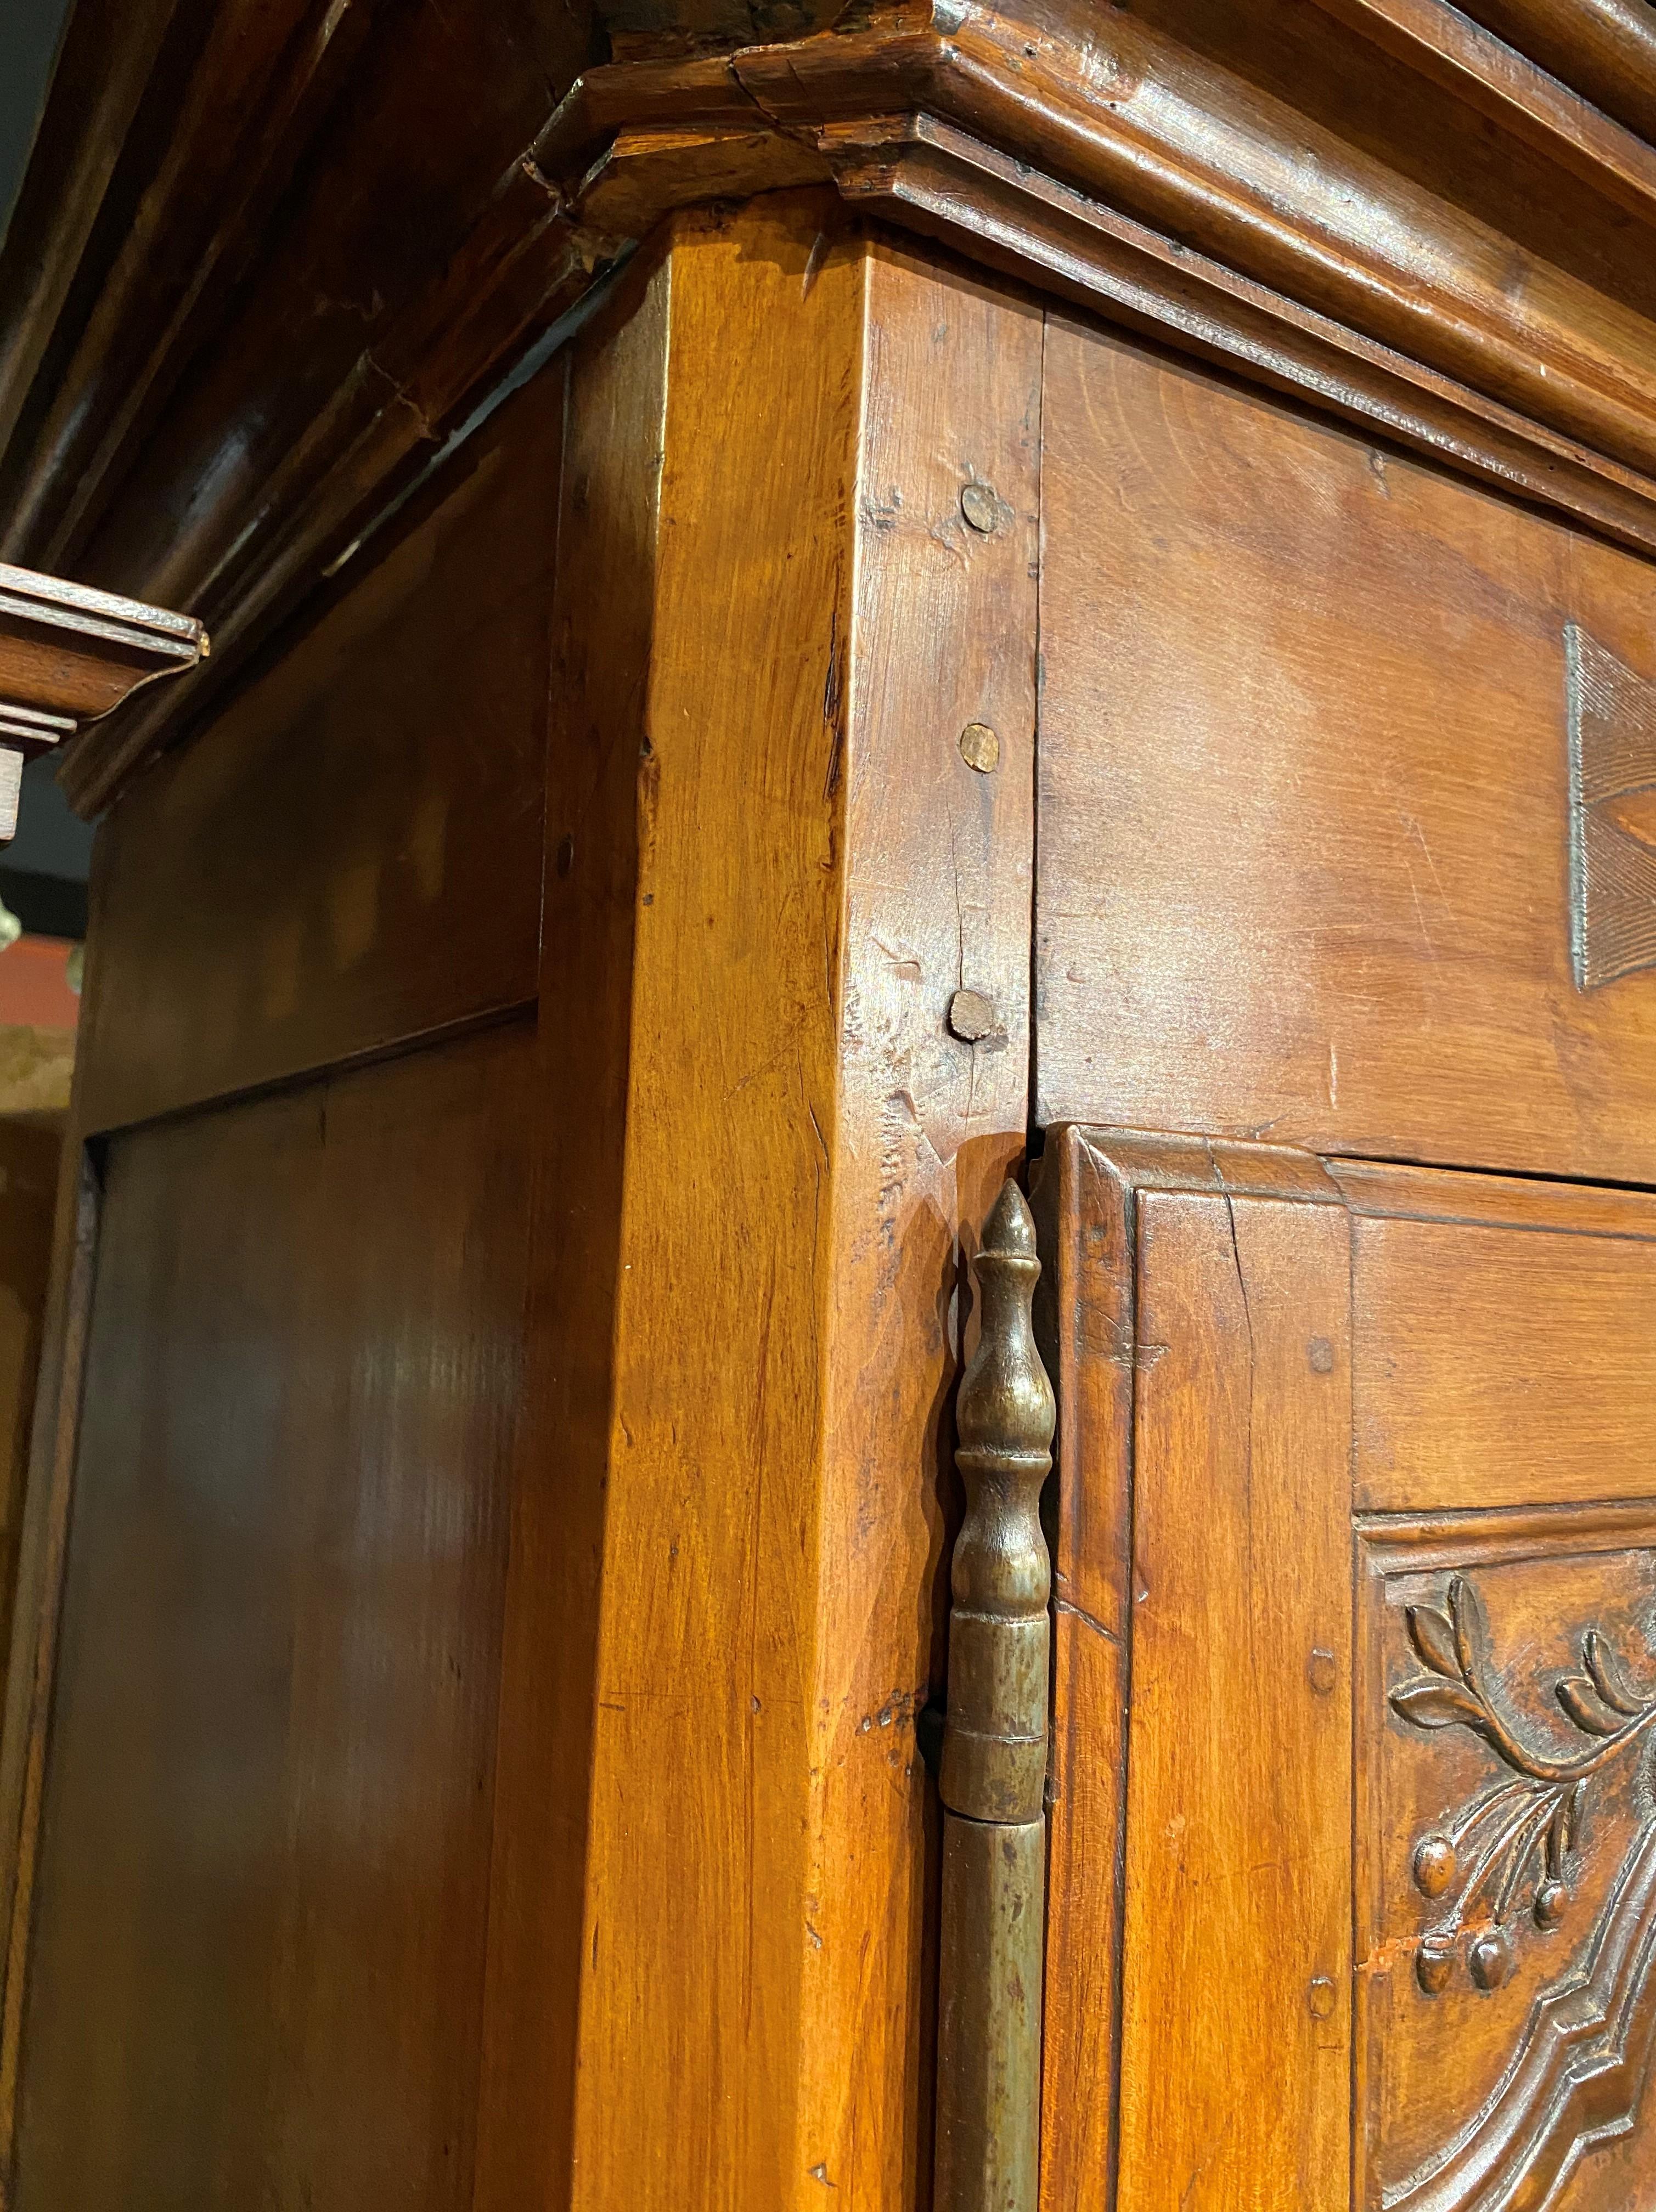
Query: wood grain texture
x,y
79,653
938,861
803,1136
614,392
1284,676
261,78
1236,2031
353,854
103,66
234,353
28,1188
1501,1366
1235,1327
1085,1315
1605,48
1452,2118
259,1905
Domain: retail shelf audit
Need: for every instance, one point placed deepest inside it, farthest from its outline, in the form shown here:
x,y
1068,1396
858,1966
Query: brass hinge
x,y
993,1772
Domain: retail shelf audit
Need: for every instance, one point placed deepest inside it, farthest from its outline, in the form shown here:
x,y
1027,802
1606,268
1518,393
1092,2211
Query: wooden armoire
x,y
815,607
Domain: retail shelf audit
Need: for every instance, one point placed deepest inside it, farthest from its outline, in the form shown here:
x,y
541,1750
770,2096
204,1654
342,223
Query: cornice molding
x,y
1128,161
68,655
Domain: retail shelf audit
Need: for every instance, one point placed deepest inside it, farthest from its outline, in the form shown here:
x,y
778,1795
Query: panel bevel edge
x,y
1084,1209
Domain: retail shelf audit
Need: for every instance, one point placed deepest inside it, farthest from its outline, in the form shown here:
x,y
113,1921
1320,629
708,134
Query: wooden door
x,y
1353,1838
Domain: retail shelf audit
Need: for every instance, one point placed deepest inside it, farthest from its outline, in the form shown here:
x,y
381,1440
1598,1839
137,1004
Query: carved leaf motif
x,y
1558,1835
1572,1818
1578,1698
1438,1705
1607,1678
1466,1611
1433,1635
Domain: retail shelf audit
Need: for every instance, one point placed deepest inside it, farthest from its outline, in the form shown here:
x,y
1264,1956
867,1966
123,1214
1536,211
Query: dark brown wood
x,y
722,756
602,619
69,654
29,1152
265,1837
1437,226
354,858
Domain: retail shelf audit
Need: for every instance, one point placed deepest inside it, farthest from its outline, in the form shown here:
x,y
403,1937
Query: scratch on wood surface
x,y
1087,1620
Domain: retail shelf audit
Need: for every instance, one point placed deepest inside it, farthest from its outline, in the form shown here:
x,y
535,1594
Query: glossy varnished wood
x,y
227,356
259,1906
354,858
613,395
29,1184
804,1132
1445,1799
1232,1783
1305,712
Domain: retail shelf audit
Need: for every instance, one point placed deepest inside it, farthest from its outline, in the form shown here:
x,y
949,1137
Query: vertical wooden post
x,y
994,1768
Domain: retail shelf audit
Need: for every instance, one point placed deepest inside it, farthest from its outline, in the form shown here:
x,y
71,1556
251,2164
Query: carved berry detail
x,y
1526,1827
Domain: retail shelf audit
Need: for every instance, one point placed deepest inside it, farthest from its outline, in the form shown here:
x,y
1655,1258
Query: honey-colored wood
x,y
803,1133
1236,1935
1458,1793
779,1057
1304,710
1540,1595
1501,1366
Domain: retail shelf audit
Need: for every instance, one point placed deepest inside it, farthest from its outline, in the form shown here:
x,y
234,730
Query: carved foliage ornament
x,y
1515,1841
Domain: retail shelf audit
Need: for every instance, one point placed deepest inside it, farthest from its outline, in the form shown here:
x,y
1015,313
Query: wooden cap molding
x,y
68,655
257,278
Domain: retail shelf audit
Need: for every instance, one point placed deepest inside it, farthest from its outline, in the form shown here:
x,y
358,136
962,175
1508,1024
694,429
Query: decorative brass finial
x,y
994,1766
995,1741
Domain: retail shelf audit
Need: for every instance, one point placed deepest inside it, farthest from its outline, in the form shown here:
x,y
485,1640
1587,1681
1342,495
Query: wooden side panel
x,y
597,765
1306,796
28,1186
1501,1366
259,1908
351,853
1236,2033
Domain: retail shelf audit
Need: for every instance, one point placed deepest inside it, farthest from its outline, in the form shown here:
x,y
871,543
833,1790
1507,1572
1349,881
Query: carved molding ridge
x,y
1580,2063
1086,151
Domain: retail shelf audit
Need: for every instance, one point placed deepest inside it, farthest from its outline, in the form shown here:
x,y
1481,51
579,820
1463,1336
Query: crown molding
x,y
69,655
1385,208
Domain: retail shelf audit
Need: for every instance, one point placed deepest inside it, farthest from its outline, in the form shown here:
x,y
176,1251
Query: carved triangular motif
x,y
1613,724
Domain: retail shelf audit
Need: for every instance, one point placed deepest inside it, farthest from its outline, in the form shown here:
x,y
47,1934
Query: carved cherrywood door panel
x,y
1354,1825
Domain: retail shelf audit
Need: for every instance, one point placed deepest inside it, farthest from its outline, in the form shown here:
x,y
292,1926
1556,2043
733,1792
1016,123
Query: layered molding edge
x,y
1091,152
